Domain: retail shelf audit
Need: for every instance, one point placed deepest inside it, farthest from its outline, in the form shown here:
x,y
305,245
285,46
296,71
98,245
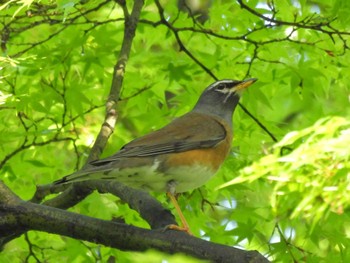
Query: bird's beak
x,y
243,85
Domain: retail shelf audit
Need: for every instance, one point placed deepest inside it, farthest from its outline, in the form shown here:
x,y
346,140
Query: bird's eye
x,y
221,86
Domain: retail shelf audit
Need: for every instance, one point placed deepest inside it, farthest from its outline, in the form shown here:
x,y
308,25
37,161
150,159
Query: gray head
x,y
221,98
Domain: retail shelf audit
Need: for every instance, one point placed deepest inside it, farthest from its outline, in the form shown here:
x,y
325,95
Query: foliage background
x,y
56,70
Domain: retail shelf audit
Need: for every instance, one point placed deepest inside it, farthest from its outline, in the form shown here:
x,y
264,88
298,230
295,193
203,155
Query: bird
x,y
179,157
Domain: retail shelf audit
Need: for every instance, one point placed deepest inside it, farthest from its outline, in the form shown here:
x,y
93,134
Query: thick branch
x,y
148,207
17,214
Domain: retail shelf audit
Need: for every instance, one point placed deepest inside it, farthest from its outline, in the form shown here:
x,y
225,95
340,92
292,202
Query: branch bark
x,y
20,215
70,197
107,128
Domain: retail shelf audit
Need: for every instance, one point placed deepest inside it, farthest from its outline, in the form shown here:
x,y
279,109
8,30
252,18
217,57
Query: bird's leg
x,y
185,227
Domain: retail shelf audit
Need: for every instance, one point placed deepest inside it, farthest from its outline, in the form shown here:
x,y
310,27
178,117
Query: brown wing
x,y
191,131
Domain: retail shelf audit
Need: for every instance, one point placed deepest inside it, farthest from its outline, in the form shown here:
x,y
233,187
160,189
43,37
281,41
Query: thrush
x,y
182,155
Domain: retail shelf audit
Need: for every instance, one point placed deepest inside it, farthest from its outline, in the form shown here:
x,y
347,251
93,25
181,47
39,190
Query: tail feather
x,y
71,178
89,173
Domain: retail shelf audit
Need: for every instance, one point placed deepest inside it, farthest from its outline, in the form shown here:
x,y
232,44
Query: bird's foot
x,y
178,228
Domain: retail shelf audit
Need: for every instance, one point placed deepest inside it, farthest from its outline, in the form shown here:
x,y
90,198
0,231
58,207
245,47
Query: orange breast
x,y
211,158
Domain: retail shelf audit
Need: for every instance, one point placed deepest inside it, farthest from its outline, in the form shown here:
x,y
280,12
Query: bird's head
x,y
221,97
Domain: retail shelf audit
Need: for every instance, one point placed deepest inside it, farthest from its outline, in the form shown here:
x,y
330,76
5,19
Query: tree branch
x,y
117,81
19,215
69,198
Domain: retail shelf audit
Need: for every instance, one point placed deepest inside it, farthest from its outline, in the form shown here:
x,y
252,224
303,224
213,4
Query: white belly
x,y
183,178
189,177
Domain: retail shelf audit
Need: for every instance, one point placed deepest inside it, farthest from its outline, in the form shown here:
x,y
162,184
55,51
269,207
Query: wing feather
x,y
183,134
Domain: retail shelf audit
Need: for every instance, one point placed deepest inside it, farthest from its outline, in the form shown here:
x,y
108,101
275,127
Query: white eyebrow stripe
x,y
225,90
